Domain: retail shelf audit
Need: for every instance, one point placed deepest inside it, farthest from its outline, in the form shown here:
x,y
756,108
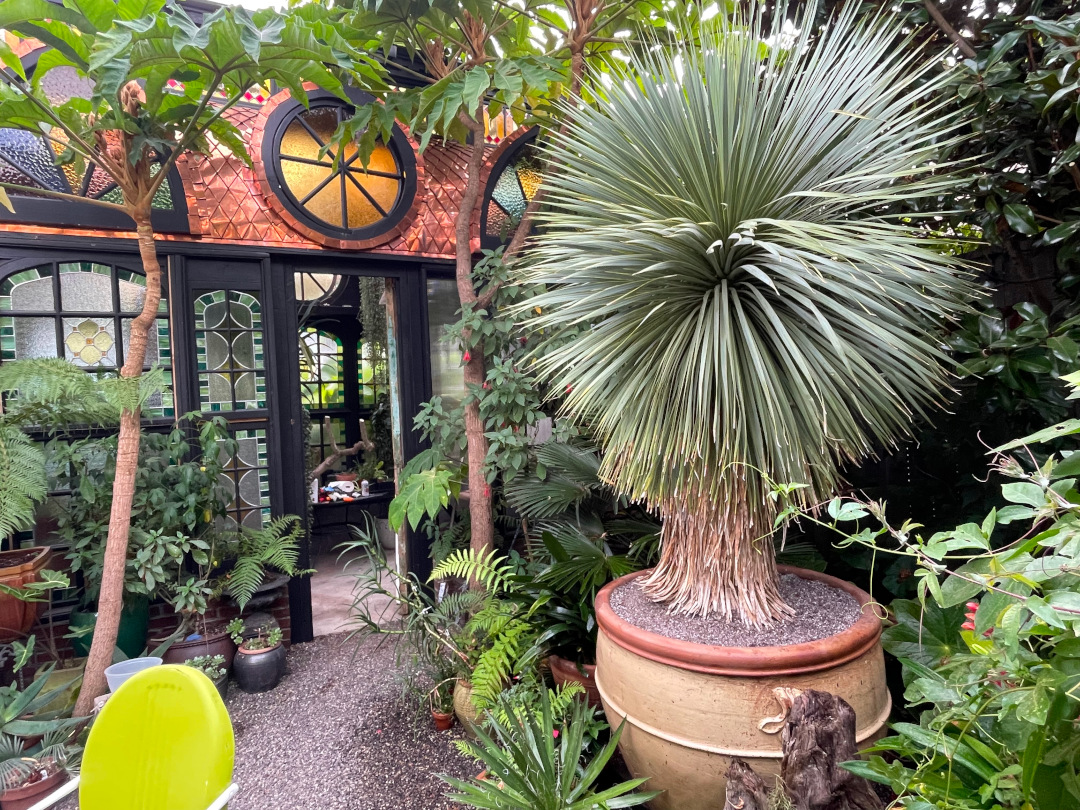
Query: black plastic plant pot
x,y
259,670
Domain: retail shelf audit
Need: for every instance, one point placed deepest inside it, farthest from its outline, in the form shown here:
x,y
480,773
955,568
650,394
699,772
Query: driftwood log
x,y
745,789
365,445
818,734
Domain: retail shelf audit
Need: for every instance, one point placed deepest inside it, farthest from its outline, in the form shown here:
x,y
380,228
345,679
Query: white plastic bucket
x,y
118,673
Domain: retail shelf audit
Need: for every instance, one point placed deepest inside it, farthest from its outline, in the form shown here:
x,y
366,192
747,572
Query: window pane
x,y
447,376
229,353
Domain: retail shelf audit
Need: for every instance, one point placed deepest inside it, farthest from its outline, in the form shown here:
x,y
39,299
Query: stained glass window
x,y
81,311
31,159
229,351
316,286
514,189
349,196
322,382
246,478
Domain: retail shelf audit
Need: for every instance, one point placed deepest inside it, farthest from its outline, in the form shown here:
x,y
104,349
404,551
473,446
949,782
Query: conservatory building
x,y
301,298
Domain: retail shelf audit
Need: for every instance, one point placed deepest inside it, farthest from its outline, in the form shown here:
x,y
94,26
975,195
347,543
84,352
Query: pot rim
x,y
752,662
263,651
8,570
34,788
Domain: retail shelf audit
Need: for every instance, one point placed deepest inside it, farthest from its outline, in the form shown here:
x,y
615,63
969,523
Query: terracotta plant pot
x,y
215,642
443,720
27,796
345,476
690,707
17,569
467,714
259,670
564,672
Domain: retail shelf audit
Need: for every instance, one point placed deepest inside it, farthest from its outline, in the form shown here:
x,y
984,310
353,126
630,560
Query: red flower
x,y
555,733
468,356
569,389
972,605
969,625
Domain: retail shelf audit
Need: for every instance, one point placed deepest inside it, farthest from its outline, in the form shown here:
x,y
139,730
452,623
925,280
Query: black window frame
x,y
280,119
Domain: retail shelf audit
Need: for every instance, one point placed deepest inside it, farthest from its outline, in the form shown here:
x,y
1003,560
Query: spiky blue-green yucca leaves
x,y
717,220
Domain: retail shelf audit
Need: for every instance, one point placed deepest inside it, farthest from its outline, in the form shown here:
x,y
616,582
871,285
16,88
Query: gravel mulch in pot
x,y
820,611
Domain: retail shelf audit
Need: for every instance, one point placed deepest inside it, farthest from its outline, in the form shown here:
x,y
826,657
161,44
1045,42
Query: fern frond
x,y
488,568
498,663
275,546
23,482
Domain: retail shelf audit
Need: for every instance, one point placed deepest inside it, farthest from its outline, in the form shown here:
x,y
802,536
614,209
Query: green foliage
x,y
423,494
739,315
22,480
114,44
178,499
487,568
538,764
212,666
989,651
274,547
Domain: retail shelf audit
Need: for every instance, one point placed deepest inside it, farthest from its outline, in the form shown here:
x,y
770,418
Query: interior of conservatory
x,y
539,405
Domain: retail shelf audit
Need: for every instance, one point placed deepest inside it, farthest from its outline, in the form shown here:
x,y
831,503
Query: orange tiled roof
x,y
227,203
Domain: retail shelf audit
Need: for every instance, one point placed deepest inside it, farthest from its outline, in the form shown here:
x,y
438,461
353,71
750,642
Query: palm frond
x,y
562,476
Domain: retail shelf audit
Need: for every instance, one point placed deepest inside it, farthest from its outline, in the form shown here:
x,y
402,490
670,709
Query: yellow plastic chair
x,y
163,741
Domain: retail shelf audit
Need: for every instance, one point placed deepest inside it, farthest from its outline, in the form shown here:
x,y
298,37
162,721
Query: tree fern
x,y
23,482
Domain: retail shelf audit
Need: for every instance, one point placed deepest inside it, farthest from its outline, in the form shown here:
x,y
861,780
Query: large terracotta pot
x,y
17,569
467,714
690,707
564,671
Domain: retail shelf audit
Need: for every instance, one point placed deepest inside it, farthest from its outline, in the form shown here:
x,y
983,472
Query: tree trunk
x,y
481,520
111,597
745,789
717,559
820,734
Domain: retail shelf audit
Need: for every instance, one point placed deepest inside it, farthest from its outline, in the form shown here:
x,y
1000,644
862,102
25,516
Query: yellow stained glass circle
x,y
348,196
89,342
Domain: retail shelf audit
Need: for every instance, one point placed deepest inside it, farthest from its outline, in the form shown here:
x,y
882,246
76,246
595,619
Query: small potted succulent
x,y
260,659
213,667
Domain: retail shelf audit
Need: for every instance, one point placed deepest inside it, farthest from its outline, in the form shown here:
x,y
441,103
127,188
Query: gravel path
x,y
334,735
820,611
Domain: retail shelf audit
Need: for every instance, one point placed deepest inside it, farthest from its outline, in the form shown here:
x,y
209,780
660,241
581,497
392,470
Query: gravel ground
x,y
334,735
820,612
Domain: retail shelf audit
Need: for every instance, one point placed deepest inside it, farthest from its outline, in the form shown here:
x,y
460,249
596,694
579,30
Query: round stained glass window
x,y
337,194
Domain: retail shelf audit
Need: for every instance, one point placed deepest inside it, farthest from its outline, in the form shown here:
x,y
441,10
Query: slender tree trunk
x,y
111,597
481,520
717,559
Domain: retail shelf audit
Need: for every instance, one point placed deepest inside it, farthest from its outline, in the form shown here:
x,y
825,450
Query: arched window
x,y
513,183
229,351
31,160
82,312
321,370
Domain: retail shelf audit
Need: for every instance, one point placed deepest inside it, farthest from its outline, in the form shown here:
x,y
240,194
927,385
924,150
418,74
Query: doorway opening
x,y
343,343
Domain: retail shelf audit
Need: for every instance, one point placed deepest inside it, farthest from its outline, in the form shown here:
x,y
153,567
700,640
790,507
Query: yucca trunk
x,y
111,595
717,559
